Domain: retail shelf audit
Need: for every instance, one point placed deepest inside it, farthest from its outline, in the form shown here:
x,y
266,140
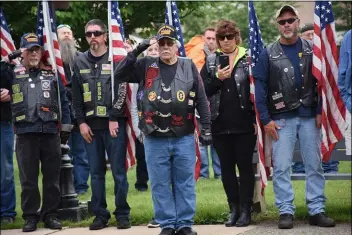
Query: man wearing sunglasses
x,y
35,96
102,124
170,89
287,101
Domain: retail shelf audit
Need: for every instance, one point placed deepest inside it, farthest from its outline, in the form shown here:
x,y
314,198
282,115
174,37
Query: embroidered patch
x,y
45,85
151,74
177,120
192,94
180,96
106,67
277,96
190,102
140,95
46,94
148,120
16,88
151,96
19,118
85,87
17,98
154,65
84,71
189,116
87,96
22,76
280,105
90,113
101,111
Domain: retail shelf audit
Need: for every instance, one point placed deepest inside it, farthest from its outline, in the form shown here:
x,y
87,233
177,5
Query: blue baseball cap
x,y
30,40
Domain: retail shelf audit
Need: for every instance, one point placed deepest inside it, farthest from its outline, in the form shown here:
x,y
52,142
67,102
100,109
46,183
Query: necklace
x,y
230,52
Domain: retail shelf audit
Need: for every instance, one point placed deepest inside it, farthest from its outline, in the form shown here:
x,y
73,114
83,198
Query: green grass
x,y
211,201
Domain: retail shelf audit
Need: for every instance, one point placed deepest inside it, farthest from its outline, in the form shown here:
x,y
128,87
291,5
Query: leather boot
x,y
245,217
234,214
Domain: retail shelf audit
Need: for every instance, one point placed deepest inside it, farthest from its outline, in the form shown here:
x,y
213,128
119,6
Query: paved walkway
x,y
267,228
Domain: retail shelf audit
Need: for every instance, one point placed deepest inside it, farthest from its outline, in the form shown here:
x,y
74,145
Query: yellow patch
x,y
180,96
89,113
87,97
84,71
152,96
16,88
192,94
17,97
105,72
85,87
22,76
101,111
20,118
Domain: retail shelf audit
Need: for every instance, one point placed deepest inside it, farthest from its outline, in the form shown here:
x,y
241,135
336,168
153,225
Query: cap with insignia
x,y
29,40
166,31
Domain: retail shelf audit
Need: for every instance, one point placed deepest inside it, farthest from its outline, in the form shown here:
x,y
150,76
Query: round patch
x,y
152,96
180,96
286,70
46,94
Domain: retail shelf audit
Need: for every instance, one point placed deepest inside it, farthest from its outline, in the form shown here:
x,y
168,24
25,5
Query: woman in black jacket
x,y
233,120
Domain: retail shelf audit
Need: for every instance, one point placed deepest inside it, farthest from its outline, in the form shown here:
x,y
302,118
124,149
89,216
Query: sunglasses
x,y
167,42
290,21
228,36
96,33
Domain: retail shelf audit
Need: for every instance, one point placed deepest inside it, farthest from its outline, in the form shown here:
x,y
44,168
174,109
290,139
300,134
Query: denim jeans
x,y
309,139
329,167
204,161
116,151
7,194
80,164
171,162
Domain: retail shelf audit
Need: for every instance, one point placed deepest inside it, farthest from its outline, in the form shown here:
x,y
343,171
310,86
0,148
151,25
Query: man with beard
x,y
36,93
287,101
102,124
77,149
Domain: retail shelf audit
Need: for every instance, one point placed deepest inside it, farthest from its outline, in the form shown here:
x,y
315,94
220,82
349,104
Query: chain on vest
x,y
96,88
283,94
34,98
173,105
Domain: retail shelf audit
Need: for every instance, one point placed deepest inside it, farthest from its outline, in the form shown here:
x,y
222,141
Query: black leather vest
x,y
96,86
283,93
34,98
175,103
241,76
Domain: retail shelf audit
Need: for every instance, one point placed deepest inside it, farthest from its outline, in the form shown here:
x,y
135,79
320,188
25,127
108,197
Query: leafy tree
x,y
342,13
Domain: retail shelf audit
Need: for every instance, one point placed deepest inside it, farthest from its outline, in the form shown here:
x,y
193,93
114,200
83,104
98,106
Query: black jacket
x,y
5,82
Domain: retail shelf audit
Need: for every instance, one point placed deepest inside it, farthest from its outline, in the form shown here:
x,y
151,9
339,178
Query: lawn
x,y
211,201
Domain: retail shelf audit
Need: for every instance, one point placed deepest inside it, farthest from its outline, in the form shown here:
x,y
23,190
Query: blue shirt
x,y
261,74
344,79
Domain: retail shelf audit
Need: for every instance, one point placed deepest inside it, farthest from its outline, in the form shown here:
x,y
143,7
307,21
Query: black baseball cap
x,y
30,40
307,27
166,31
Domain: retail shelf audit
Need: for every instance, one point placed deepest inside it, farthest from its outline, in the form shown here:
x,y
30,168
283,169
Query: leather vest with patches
x,y
96,86
34,98
283,93
165,109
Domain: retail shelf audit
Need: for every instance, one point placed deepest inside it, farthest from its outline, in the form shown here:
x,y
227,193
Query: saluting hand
x,y
114,128
86,132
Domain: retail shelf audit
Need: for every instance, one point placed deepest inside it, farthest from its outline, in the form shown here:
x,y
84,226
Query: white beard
x,y
68,51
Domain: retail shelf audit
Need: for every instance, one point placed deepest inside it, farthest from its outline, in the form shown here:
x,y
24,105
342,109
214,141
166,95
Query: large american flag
x,y
7,45
256,45
46,31
325,69
172,18
118,52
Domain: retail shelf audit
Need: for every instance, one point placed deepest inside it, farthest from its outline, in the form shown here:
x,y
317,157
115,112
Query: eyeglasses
x,y
167,42
290,21
228,36
62,26
96,33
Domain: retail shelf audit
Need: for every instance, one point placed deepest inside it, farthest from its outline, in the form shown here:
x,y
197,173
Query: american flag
x,y
325,69
172,18
256,45
46,31
118,52
7,45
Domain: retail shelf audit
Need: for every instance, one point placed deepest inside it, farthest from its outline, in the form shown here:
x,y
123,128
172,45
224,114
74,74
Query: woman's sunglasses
x,y
290,21
96,33
228,36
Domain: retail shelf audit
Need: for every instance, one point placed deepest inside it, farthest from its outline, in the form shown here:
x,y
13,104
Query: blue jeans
x,y
309,140
7,194
171,162
116,149
204,161
80,164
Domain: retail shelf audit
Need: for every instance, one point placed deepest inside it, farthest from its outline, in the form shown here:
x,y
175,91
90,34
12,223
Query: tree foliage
x,y
342,13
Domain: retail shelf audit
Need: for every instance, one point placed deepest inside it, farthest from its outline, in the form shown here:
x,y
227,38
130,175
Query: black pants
x,y
32,148
236,149
141,169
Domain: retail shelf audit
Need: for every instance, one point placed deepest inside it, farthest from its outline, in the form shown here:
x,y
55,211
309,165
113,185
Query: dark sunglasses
x,y
167,42
228,36
290,21
96,33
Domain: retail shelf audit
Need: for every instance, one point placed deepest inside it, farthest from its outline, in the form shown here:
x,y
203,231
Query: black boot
x,y
234,214
245,218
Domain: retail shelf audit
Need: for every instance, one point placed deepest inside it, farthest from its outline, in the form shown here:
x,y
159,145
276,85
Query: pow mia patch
x,y
180,96
45,85
192,94
46,94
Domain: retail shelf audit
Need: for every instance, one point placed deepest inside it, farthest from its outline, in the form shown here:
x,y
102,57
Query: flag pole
x,y
111,59
169,11
48,30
